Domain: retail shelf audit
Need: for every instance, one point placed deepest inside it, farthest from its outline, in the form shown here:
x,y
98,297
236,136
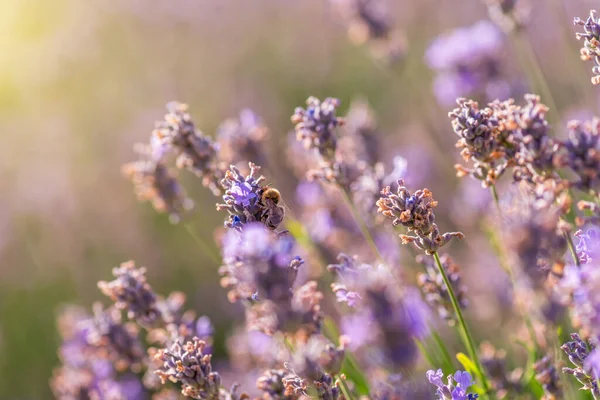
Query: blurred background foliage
x,y
82,81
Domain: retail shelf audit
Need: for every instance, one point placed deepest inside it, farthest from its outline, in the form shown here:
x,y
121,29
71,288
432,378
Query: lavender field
x,y
327,199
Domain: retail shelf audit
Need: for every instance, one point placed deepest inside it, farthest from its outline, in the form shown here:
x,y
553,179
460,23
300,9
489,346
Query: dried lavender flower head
x,y
242,139
536,148
132,293
580,152
195,151
258,264
455,389
468,63
479,139
154,183
591,41
415,212
188,365
315,125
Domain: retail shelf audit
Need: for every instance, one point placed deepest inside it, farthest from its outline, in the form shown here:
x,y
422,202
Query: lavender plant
x,y
374,334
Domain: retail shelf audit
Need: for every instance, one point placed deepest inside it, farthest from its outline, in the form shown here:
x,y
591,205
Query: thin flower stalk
x,y
462,325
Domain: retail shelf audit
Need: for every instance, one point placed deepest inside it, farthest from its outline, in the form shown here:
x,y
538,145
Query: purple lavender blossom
x,y
468,63
455,389
258,264
94,350
588,247
387,317
244,202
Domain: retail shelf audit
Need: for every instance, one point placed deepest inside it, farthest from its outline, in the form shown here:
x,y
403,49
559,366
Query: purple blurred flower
x,y
467,61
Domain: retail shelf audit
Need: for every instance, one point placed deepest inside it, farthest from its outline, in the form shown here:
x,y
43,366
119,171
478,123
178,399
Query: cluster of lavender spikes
x,y
148,345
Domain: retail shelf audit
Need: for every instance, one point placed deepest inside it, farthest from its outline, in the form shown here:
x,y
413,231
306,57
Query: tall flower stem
x,y
462,325
496,199
206,249
345,389
536,73
360,222
572,250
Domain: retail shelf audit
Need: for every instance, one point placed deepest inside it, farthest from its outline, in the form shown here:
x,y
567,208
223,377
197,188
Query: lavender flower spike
x,y
195,151
154,183
188,365
591,44
415,212
585,359
131,292
315,125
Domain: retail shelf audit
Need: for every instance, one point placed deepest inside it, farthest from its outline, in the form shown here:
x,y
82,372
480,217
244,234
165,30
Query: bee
x,y
272,212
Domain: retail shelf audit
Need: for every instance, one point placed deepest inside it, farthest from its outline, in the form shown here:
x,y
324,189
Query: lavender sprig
x,y
455,389
415,212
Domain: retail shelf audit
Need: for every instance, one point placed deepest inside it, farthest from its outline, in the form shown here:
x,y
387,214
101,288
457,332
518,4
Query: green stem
x,y
463,328
496,199
360,222
345,389
206,249
572,248
524,46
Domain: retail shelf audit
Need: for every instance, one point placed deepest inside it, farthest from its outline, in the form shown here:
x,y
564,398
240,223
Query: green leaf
x,y
471,368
